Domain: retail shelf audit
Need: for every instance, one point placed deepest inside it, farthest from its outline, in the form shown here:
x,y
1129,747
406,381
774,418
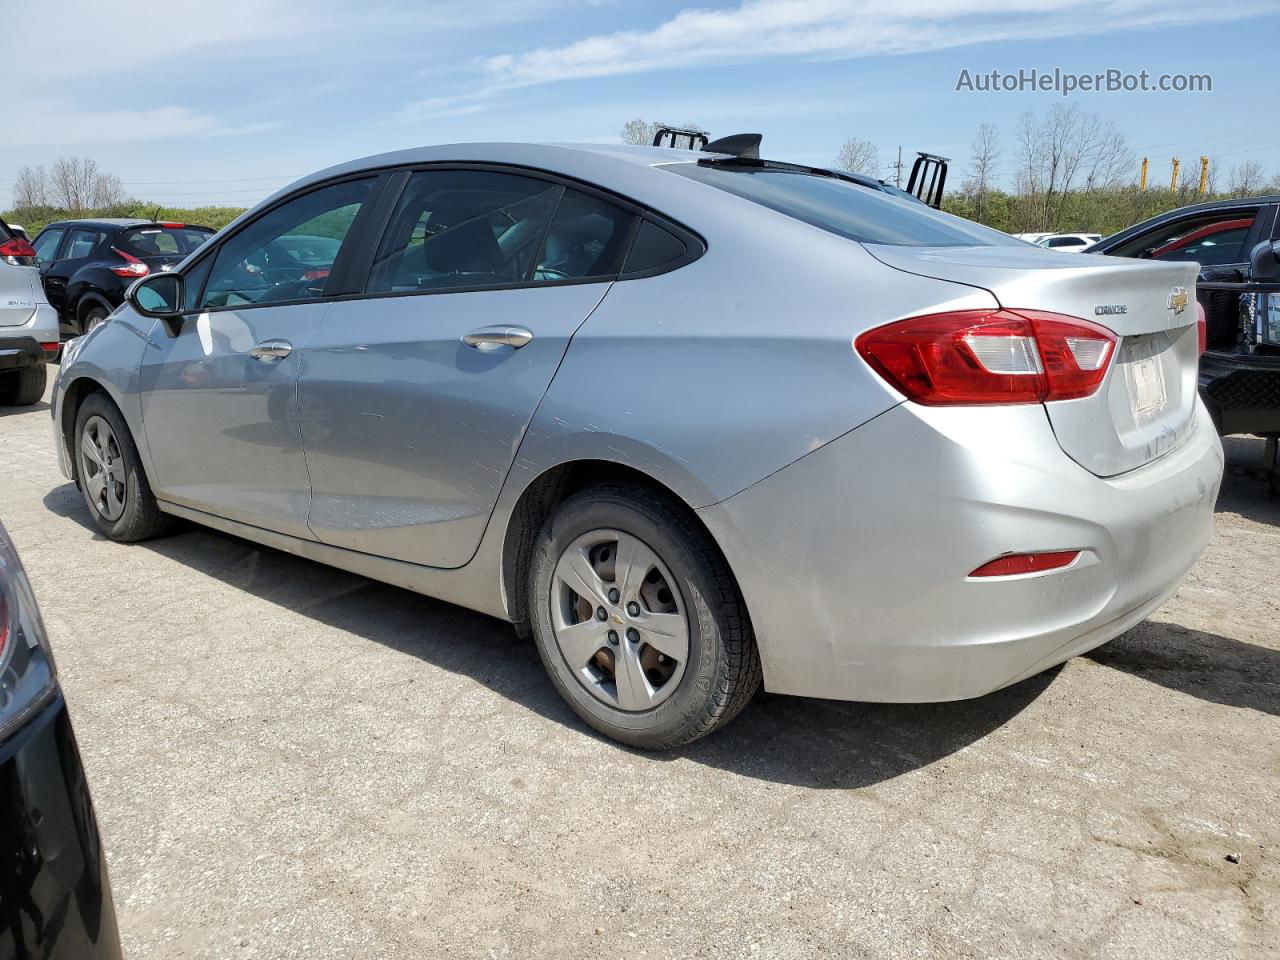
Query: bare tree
x,y
1211,181
31,189
72,182
640,132
984,156
108,191
860,156
1247,179
1056,154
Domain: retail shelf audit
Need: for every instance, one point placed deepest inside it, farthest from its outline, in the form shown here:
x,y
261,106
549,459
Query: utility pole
x,y
1142,176
897,176
1204,174
1173,181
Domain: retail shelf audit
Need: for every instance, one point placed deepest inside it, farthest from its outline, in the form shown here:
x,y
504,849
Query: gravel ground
x,y
291,761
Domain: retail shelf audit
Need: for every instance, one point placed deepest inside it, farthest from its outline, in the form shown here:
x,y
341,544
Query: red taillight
x,y
1016,563
169,223
1202,328
990,356
4,622
18,252
133,267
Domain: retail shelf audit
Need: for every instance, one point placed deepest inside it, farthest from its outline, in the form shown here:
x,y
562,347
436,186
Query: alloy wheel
x,y
619,620
102,468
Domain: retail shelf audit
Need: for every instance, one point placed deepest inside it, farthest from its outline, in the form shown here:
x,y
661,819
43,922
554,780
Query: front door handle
x,y
491,338
268,351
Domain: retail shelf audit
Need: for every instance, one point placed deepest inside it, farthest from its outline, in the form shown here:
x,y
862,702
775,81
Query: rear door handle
x,y
503,335
268,351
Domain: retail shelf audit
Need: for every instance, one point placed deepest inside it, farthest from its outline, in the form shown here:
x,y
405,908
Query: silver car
x,y
694,421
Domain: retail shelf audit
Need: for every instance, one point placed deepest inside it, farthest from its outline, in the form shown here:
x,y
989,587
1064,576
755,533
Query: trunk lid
x,y
1146,405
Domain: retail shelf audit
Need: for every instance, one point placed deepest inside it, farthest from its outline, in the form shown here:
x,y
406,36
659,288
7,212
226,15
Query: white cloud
x,y
758,29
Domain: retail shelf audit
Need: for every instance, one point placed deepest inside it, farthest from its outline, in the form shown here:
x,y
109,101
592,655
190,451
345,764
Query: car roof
x,y
117,222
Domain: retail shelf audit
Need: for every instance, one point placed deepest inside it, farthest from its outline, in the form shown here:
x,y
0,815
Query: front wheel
x,y
638,619
112,480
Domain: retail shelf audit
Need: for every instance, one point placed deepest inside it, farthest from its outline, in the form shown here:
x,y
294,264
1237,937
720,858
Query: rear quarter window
x,y
846,209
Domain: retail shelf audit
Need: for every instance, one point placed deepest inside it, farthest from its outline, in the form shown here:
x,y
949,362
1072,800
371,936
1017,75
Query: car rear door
x,y
415,394
219,400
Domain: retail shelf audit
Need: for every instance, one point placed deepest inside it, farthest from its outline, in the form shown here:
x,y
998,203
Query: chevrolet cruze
x,y
694,421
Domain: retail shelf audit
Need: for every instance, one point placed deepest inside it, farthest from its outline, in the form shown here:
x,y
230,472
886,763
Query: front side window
x,y
838,206
463,228
286,255
47,244
81,244
1210,241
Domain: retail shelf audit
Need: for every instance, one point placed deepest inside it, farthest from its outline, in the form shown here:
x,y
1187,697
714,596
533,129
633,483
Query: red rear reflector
x,y
50,347
1016,563
990,356
1202,328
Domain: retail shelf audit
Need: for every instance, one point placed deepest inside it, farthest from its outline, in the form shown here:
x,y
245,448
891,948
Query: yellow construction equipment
x,y
1204,174
1173,180
1142,176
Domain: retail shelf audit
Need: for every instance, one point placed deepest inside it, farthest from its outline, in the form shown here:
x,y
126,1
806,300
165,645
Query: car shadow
x,y
39,406
816,743
1205,665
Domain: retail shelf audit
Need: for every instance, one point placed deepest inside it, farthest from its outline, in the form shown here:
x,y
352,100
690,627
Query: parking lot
x,y
292,761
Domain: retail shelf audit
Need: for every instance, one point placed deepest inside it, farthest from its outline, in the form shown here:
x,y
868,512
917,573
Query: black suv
x,y
87,265
1232,240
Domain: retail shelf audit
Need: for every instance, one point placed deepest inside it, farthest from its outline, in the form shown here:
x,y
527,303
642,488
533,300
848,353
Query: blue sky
x,y
225,102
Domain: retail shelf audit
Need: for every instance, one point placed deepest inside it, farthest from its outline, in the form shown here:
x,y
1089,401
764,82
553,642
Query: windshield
x,y
161,241
843,208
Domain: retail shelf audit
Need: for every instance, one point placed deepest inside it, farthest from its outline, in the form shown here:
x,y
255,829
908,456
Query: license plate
x,y
1146,385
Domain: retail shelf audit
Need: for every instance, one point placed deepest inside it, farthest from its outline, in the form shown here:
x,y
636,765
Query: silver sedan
x,y
695,422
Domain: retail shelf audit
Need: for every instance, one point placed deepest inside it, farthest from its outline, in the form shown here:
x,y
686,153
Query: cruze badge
x,y
1178,299
1110,309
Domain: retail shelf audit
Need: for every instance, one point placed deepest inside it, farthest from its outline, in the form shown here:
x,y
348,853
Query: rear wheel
x,y
93,317
111,476
638,620
22,387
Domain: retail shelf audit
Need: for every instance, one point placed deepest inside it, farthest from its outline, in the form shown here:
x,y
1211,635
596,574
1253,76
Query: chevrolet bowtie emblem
x,y
1178,299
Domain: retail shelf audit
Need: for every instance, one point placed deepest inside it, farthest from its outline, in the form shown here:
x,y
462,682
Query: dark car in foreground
x,y
87,265
1237,287
55,901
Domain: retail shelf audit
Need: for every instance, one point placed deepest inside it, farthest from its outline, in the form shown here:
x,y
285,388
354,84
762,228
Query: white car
x,y
28,325
1068,242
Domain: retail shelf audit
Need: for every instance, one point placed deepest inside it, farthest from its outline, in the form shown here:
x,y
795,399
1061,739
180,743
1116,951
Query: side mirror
x,y
1264,262
161,295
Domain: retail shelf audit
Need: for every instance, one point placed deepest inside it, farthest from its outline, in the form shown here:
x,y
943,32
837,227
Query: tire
x,y
138,516
24,386
678,702
92,318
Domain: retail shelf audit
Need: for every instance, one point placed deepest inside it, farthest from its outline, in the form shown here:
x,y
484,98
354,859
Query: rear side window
x,y
47,243
463,228
587,238
843,208
161,241
81,243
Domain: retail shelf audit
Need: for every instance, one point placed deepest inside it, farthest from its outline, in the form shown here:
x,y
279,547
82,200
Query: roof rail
x,y
697,138
744,145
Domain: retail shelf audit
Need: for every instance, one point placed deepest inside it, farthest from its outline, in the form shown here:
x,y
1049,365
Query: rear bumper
x,y
55,900
853,561
16,352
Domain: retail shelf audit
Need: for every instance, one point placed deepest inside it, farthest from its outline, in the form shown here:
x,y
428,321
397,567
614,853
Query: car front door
x,y
219,399
415,396
76,250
